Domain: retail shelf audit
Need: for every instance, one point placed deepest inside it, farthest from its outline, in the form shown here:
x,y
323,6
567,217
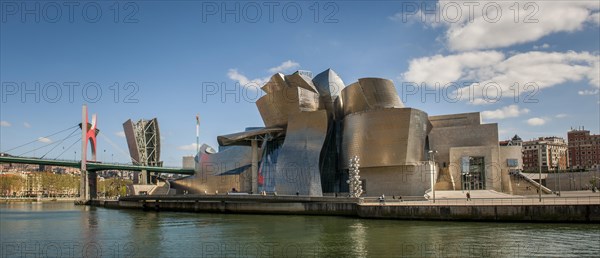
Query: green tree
x,y
113,187
11,185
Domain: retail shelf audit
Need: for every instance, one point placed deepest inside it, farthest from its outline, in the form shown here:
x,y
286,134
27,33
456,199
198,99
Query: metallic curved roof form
x,y
286,95
329,85
225,161
276,83
298,164
298,80
369,93
205,148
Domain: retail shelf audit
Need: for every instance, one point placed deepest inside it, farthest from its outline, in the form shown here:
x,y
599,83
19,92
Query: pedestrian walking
x,y
382,200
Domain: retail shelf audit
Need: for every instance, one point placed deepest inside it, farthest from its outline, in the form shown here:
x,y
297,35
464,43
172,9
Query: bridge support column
x,y
88,186
145,177
93,185
83,186
254,180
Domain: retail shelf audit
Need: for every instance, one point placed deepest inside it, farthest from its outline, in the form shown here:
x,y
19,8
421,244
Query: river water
x,y
66,230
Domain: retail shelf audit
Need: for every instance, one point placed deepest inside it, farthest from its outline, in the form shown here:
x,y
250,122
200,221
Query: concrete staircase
x,y
523,185
444,180
162,188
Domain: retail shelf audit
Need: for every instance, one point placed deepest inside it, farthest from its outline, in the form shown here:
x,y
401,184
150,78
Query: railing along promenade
x,y
575,200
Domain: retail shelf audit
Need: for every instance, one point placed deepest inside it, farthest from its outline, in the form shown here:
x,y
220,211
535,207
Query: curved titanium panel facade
x,y
286,96
297,168
329,85
368,94
213,171
276,83
385,137
297,80
272,111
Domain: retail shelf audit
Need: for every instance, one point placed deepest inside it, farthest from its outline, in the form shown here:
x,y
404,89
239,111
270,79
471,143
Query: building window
x,y
473,173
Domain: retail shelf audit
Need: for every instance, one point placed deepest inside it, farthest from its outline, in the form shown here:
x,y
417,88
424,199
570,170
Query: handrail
x,y
544,189
526,200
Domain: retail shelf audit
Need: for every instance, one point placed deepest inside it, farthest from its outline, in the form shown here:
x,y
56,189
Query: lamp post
x,y
540,171
571,182
555,174
432,157
558,172
468,176
596,175
580,187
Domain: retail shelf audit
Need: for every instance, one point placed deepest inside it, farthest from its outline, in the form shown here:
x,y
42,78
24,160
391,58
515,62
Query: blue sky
x,y
159,56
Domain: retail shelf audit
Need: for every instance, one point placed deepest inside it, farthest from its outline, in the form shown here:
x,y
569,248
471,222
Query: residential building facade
x,y
545,152
584,149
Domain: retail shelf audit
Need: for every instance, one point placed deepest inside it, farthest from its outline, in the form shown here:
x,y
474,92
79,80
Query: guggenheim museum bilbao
x,y
314,126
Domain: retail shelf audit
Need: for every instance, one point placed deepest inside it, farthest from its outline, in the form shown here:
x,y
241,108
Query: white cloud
x,y
495,73
561,115
505,112
594,19
543,46
5,123
256,83
538,69
594,74
27,125
285,66
233,74
587,92
536,121
120,134
189,147
445,69
44,140
494,24
533,22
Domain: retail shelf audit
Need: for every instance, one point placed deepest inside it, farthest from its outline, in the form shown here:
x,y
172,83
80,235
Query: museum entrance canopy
x,y
244,138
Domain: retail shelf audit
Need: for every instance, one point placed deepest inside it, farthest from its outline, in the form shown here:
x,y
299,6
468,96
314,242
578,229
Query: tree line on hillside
x,y
52,185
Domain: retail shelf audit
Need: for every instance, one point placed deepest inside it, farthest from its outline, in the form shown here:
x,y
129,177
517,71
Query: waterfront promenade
x,y
483,197
578,208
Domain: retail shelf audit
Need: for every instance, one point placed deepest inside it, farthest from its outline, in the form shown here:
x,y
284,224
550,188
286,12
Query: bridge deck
x,y
95,166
